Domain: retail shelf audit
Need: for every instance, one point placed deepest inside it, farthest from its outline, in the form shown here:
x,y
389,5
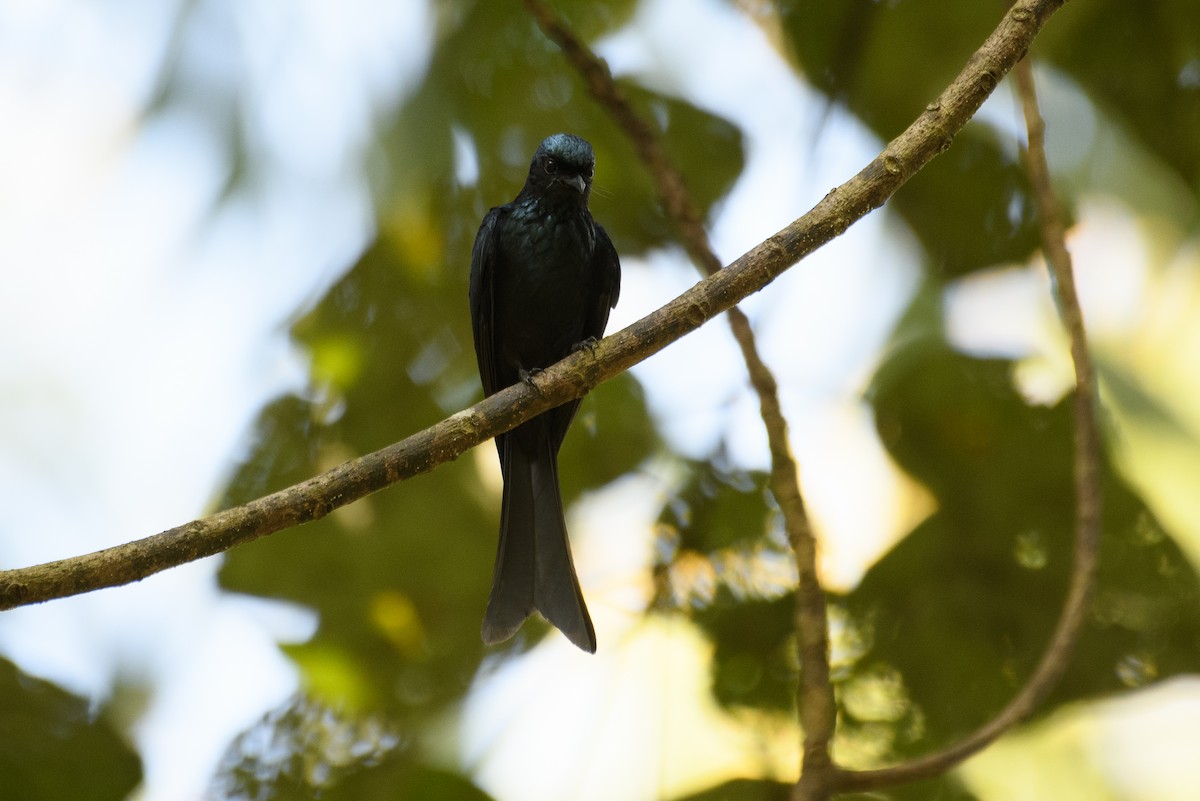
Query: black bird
x,y
544,276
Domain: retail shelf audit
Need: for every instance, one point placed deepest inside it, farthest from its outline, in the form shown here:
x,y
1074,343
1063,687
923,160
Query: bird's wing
x,y
483,270
606,285
606,272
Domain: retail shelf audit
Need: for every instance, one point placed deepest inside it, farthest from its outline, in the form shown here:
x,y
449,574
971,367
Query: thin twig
x,y
1087,482
818,710
574,376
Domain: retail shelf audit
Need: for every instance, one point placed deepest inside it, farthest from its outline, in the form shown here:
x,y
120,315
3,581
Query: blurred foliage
x,y
755,660
744,790
970,208
1004,530
941,789
305,749
955,616
944,788
952,620
717,507
58,747
1156,95
492,61
945,627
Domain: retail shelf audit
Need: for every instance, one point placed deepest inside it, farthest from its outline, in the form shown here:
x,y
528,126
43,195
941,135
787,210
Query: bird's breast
x,y
542,285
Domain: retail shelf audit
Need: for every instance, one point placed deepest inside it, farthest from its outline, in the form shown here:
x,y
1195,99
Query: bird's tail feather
x,y
556,592
534,568
511,599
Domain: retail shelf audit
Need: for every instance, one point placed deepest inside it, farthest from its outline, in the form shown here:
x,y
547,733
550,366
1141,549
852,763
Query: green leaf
x,y
964,606
1141,64
754,661
970,207
56,746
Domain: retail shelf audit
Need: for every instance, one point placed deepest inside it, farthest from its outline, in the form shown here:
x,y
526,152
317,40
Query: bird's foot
x,y
588,344
526,377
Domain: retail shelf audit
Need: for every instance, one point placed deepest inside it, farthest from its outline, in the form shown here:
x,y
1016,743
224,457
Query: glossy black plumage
x,y
544,277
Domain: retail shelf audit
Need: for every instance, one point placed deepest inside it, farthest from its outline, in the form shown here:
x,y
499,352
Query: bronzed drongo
x,y
544,276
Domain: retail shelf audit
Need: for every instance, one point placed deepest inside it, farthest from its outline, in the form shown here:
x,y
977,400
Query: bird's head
x,y
562,169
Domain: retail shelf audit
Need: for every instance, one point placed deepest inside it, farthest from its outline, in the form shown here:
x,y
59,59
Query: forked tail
x,y
534,569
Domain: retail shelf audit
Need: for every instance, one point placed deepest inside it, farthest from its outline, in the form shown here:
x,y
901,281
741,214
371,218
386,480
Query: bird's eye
x,y
551,166
591,173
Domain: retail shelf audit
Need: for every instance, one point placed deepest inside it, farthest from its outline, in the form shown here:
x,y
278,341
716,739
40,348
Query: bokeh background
x,y
234,243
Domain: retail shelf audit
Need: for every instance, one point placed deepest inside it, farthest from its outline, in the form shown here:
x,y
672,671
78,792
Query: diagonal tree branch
x,y
1087,481
818,709
931,133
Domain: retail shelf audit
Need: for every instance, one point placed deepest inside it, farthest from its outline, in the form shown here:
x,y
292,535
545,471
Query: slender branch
x,y
1087,481
316,497
818,709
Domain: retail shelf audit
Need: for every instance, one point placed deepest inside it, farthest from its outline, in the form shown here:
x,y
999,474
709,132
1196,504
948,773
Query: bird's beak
x,y
575,181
